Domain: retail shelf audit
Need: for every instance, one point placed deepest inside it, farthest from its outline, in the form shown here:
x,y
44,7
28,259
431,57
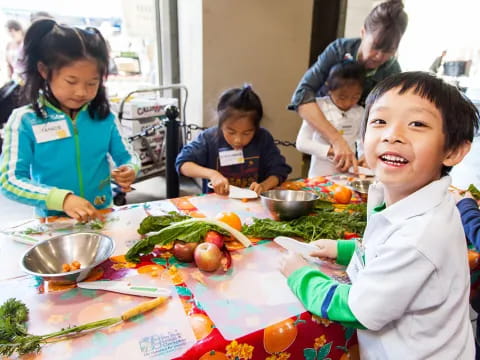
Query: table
x,y
257,316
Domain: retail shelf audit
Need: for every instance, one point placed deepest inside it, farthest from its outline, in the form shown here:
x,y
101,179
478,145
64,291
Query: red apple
x,y
214,238
183,251
207,256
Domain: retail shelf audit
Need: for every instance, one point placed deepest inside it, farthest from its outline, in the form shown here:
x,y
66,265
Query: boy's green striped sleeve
x,y
345,250
323,296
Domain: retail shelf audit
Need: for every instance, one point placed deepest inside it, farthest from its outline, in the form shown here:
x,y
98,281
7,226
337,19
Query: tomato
x,y
473,259
230,218
214,238
342,195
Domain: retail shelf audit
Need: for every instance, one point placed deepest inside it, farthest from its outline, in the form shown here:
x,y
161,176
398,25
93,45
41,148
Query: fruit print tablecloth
x,y
299,335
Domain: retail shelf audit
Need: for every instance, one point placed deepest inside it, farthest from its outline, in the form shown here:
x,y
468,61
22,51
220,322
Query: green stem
x,y
77,329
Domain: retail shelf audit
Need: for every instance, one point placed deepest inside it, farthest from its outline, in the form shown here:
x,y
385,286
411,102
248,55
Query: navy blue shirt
x,y
470,214
262,158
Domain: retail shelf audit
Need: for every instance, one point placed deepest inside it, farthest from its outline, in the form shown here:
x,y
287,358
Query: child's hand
x,y
362,162
219,183
80,209
290,262
258,188
343,155
460,195
124,177
326,249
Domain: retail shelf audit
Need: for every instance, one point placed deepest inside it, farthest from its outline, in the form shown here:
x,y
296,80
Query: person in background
x,y
470,214
345,85
14,47
410,276
437,62
236,152
375,50
57,149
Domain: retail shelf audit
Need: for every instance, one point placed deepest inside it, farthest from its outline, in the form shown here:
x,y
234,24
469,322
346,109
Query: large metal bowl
x,y
288,204
46,258
361,187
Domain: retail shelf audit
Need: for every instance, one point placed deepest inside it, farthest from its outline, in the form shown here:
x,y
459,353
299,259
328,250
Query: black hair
x,y
14,25
344,73
40,15
239,102
57,46
460,116
388,21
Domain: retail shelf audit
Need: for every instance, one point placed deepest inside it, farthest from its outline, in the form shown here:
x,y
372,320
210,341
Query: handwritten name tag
x,y
231,157
53,130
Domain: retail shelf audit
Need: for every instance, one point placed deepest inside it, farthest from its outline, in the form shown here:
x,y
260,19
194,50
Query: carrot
x,y
143,307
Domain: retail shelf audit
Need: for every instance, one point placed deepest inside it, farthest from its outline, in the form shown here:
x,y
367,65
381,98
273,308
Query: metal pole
x,y
171,176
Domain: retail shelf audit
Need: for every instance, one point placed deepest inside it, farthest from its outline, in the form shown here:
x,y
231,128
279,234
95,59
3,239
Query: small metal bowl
x,y
46,258
361,187
288,204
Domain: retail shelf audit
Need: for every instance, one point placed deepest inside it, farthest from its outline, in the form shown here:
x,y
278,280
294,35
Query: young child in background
x,y
410,277
345,86
470,214
237,151
56,150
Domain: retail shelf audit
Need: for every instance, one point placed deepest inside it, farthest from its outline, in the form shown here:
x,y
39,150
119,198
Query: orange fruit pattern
x,y
201,324
278,337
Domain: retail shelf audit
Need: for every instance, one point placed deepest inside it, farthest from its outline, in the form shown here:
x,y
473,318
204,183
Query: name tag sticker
x,y
50,131
357,263
231,157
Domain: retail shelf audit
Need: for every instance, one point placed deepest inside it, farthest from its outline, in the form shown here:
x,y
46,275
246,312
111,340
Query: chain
x,y
190,127
284,143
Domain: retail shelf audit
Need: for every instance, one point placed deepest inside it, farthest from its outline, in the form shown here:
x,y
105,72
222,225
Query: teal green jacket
x,y
323,296
42,174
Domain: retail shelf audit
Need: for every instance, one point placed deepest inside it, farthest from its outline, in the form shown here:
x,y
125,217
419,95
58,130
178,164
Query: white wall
x,y
265,43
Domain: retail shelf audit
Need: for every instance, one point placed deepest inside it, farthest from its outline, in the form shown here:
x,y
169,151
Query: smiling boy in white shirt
x,y
410,277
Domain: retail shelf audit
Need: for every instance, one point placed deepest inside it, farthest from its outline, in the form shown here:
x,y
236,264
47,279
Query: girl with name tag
x,y
345,86
56,151
237,151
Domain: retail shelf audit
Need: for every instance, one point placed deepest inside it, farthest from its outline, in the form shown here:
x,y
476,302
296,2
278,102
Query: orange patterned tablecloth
x,y
298,336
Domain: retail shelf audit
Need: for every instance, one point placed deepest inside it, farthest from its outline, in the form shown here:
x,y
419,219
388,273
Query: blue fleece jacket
x,y
41,174
262,158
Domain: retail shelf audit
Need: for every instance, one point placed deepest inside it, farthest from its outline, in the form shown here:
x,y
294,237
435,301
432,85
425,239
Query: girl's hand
x,y
326,249
362,162
343,156
290,262
124,177
460,195
80,209
219,183
258,188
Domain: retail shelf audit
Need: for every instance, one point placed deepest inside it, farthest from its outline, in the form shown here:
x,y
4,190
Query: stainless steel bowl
x,y
46,258
361,186
288,204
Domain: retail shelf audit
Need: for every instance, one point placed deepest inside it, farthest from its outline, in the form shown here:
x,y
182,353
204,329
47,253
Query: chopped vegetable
x,y
326,223
14,337
191,230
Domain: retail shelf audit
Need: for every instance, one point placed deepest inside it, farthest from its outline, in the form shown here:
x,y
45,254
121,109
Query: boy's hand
x,y
258,188
326,249
219,183
124,177
80,209
290,262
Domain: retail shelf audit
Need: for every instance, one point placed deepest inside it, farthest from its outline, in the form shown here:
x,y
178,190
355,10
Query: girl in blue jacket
x,y
56,150
236,152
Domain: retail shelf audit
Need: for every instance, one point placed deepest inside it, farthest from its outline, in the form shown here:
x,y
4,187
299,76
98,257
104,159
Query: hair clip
x,y
247,86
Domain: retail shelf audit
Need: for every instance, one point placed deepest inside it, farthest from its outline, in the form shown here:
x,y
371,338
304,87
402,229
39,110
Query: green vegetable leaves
x,y
190,230
474,191
157,223
326,224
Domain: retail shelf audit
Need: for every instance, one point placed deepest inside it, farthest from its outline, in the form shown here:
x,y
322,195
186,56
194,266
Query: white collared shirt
x,y
413,292
310,141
